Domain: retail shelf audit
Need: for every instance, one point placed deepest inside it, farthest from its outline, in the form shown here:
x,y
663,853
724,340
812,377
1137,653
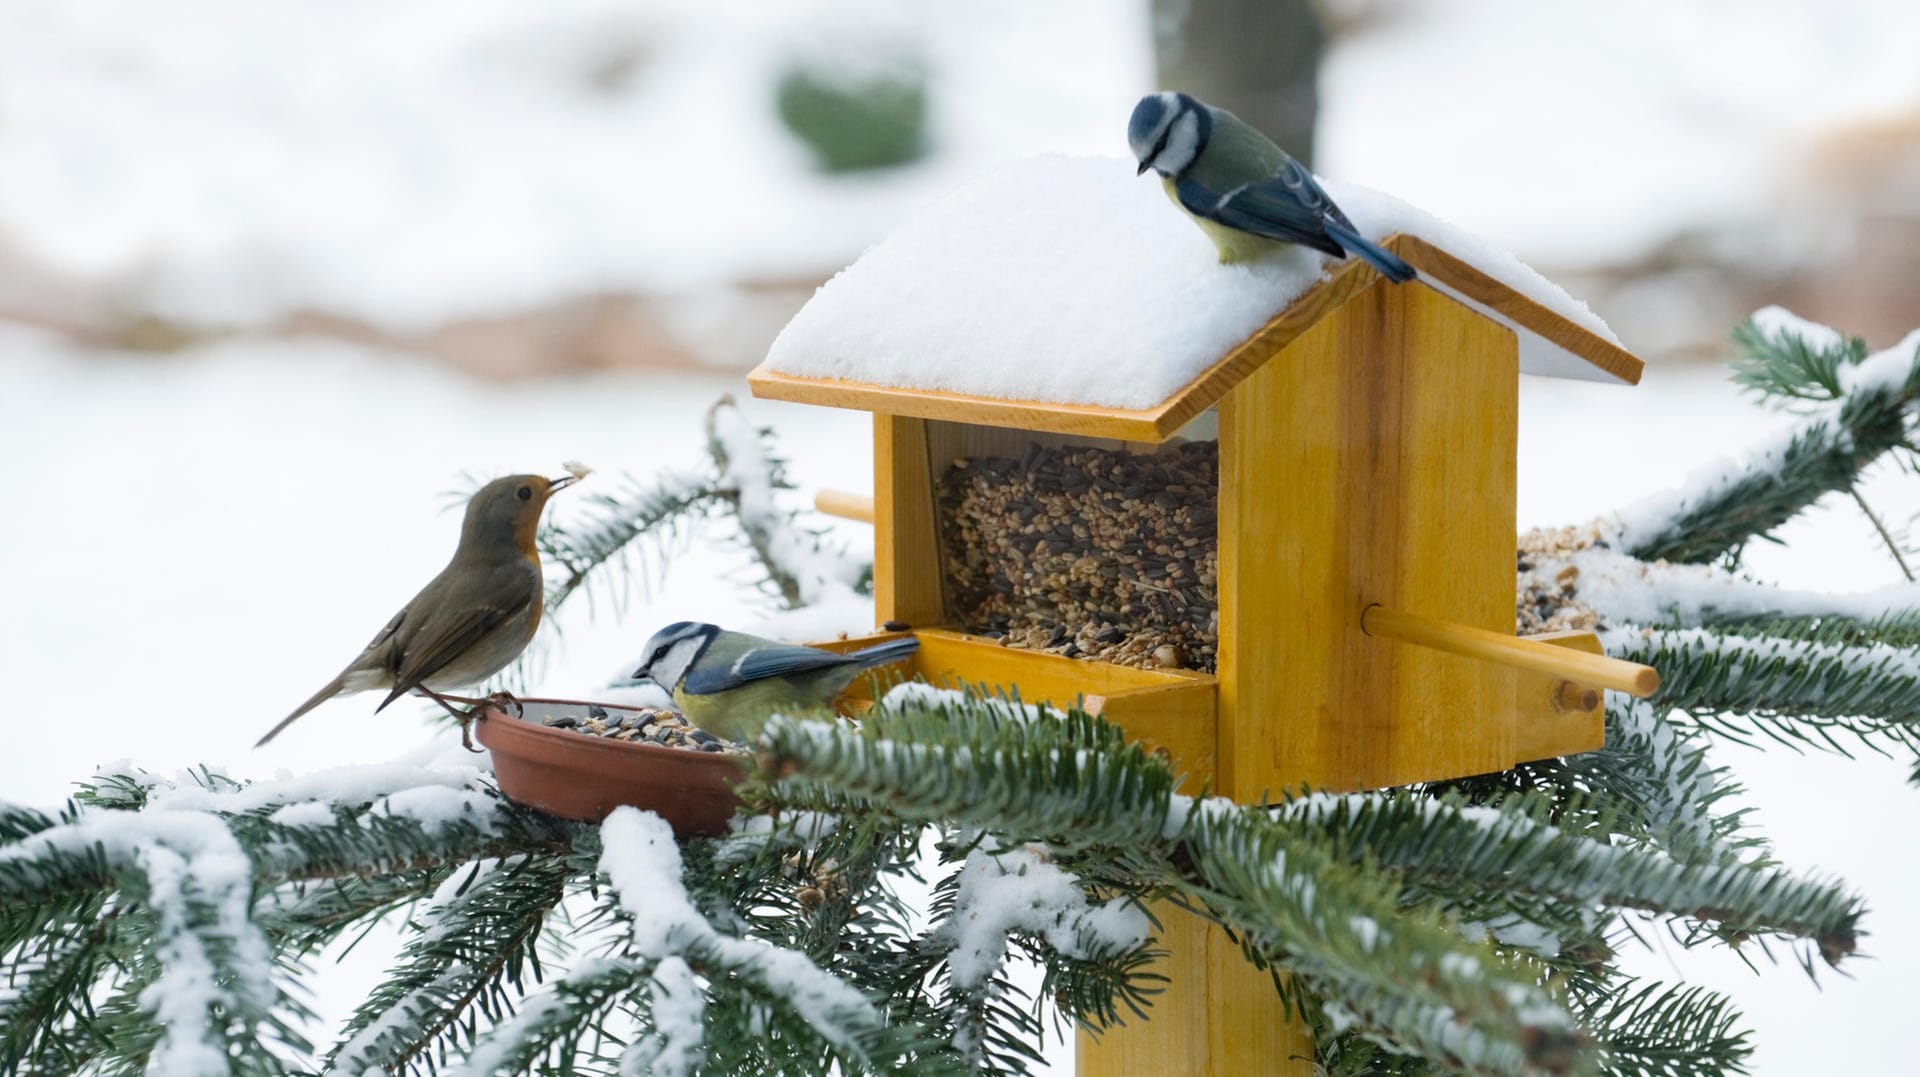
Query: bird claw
x,y
503,700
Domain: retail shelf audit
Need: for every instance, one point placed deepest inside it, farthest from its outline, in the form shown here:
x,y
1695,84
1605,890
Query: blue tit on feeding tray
x,y
727,683
1247,194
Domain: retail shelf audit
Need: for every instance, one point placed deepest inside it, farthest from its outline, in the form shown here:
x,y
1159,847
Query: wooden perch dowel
x,y
847,506
1576,666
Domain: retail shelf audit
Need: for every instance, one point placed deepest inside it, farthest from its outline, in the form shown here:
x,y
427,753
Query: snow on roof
x,y
1071,280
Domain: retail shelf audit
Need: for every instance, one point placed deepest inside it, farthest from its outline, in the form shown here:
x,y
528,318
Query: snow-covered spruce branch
x,y
1000,897
1660,787
1625,590
1444,842
635,522
152,906
1650,782
205,976
1085,797
643,868
1318,913
1855,409
476,941
971,761
800,567
633,527
1400,974
1796,690
562,1026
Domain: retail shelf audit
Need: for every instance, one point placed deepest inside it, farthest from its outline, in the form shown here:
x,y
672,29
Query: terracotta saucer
x,y
581,776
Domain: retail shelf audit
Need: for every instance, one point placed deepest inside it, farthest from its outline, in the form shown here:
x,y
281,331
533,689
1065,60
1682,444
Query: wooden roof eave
x,y
1559,347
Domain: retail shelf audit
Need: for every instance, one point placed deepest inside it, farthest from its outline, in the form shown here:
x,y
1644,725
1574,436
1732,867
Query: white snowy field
x,y
197,542
405,164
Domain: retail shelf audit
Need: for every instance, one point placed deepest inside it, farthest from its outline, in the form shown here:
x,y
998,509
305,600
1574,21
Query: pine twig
x,y
1886,537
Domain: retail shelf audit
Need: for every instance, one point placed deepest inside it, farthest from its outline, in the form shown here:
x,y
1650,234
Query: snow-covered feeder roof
x,y
1067,294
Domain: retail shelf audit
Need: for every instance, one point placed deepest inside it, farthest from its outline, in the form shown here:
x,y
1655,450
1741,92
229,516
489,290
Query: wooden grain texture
x,y
1523,312
1170,711
907,584
1543,726
1172,1041
1122,423
1176,720
1158,423
1371,462
1564,663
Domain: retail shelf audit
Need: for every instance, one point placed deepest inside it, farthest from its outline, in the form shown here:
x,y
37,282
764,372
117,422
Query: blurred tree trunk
x,y
1259,59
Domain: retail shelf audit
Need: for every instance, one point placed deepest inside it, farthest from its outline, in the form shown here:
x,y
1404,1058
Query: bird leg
x,y
465,718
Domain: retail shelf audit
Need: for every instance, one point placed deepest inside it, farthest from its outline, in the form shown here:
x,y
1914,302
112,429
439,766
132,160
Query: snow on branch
x,y
1799,691
1020,891
1620,589
215,987
1477,846
567,1012
643,865
478,933
1854,408
613,528
803,569
182,860
1276,886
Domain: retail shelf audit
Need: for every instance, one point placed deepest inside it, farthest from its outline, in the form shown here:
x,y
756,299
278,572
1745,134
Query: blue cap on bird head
x,y
1167,131
672,649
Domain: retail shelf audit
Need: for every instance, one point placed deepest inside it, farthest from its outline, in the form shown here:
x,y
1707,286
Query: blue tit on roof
x,y
1247,194
728,683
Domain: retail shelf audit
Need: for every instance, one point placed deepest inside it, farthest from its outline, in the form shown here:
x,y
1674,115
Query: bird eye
x,y
525,493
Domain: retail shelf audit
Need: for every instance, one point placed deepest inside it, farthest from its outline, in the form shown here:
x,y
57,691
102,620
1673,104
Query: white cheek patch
x,y
672,666
1183,143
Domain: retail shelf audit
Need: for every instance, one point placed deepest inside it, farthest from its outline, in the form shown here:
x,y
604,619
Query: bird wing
x,y
457,624
771,660
1288,205
384,634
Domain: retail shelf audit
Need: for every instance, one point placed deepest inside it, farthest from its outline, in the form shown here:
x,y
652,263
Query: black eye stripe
x,y
1162,144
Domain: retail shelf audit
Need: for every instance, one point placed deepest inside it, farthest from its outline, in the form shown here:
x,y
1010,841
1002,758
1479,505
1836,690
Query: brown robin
x,y
473,618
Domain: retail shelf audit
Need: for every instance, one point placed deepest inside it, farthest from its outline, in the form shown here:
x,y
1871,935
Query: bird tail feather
x,y
881,653
332,687
1390,265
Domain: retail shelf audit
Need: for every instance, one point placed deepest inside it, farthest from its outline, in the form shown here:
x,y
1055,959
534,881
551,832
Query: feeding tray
x,y
581,776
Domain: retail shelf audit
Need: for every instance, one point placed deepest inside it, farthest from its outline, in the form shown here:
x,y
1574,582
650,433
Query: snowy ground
x,y
216,160
199,541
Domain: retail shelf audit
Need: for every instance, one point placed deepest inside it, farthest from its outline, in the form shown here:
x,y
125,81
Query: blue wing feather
x,y
785,660
1291,205
1268,208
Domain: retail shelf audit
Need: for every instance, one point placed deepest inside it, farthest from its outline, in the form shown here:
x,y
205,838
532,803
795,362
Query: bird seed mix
x,y
645,725
1088,552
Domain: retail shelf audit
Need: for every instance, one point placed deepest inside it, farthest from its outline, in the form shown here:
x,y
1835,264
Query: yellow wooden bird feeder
x,y
1365,579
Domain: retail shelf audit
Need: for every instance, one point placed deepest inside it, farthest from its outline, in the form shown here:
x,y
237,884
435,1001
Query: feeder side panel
x,y
906,547
1372,461
1552,716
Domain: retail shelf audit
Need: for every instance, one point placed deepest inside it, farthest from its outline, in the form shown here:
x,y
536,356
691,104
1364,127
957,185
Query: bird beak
x,y
554,486
1142,170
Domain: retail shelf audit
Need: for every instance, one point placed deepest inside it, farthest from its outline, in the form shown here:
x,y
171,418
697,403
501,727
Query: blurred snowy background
x,y
274,277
